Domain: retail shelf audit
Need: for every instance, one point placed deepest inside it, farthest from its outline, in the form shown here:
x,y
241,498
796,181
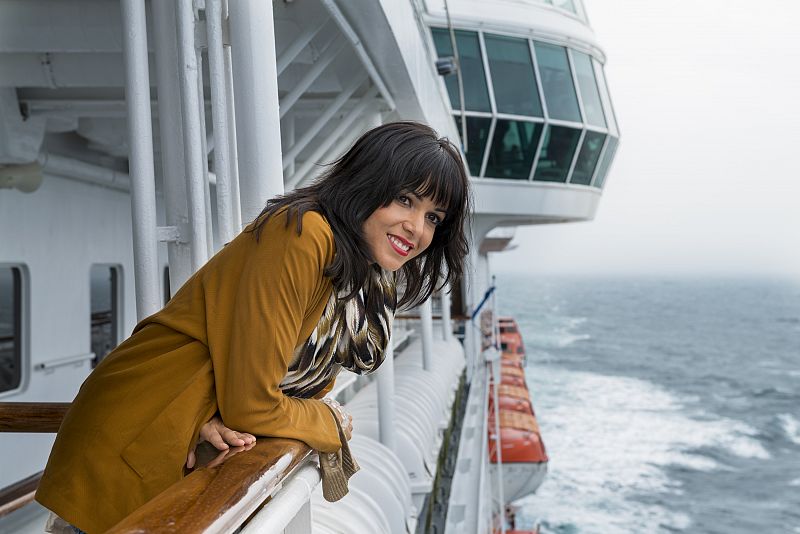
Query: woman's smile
x,y
401,245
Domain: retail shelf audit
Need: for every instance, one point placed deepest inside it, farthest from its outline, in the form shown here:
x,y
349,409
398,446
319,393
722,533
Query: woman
x,y
256,337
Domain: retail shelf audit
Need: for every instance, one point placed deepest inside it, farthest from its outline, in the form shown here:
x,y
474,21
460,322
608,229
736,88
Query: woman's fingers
x,y
191,459
216,439
231,437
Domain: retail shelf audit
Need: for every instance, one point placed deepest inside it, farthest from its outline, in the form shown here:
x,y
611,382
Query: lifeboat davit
x,y
523,454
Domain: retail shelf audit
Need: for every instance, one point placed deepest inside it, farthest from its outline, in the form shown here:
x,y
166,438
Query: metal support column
x,y
447,322
386,418
496,364
219,119
233,152
255,87
426,320
140,139
288,139
170,127
194,155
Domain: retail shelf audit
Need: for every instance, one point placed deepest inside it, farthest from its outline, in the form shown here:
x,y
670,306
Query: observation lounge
x,y
540,133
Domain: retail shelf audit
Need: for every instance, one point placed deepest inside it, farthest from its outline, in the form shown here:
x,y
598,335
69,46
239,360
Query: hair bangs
x,y
435,176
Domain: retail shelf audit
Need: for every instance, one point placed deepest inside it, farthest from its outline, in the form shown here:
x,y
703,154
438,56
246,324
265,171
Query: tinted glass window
x,y
104,287
559,91
10,328
607,107
477,133
569,5
476,94
558,149
608,157
513,148
167,291
587,158
588,86
512,75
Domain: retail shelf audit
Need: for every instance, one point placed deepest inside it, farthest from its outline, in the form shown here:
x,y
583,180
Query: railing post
x,y
255,84
170,126
194,155
385,378
140,139
219,118
426,320
447,322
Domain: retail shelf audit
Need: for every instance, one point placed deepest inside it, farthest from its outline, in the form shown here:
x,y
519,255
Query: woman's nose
x,y
414,224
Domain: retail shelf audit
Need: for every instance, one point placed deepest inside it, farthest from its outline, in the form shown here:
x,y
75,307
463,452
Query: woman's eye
x,y
404,199
435,219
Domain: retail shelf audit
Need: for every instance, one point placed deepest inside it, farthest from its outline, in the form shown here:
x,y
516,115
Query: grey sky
x,y
707,178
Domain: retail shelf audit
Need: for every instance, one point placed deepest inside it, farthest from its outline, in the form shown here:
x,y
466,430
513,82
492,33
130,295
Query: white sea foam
x,y
559,332
791,426
611,438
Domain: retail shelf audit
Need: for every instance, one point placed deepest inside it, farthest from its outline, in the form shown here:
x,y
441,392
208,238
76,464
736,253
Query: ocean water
x,y
665,405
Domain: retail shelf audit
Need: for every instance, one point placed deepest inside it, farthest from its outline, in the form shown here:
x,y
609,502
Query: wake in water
x,y
666,405
610,439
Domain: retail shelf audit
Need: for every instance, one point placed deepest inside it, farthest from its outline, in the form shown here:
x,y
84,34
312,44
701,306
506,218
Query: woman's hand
x,y
221,437
345,419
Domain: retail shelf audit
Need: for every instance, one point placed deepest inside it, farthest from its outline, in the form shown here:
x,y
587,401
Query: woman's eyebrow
x,y
419,197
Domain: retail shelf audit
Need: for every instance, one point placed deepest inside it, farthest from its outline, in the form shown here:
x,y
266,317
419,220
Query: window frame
x,y
22,327
116,295
611,130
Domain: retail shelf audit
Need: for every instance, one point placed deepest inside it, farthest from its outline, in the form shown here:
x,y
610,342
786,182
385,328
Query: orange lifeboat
x,y
523,455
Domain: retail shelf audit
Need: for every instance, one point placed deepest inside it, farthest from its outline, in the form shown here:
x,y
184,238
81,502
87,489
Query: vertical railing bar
x,y
204,151
252,33
140,138
171,138
192,142
219,119
426,321
230,112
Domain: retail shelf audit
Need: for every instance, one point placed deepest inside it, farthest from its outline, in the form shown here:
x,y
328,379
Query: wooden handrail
x,y
221,495
19,494
32,416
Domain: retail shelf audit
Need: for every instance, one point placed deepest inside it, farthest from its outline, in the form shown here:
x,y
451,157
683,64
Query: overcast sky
x,y
707,177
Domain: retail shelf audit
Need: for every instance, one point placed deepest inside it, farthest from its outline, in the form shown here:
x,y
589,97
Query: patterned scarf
x,y
351,334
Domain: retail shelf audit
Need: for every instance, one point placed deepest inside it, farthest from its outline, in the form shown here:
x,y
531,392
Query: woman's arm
x,y
281,280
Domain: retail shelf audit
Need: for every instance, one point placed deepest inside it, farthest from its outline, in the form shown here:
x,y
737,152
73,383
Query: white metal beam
x,y
322,147
194,155
315,128
310,76
140,140
256,95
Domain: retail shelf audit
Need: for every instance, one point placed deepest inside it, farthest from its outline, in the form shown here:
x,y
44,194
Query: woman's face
x,y
402,230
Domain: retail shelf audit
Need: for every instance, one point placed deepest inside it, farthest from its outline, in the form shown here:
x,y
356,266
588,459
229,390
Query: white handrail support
x,y
192,134
289,508
140,139
255,87
426,321
219,119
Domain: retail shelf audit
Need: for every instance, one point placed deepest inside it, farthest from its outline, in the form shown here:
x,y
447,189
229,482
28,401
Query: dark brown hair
x,y
385,162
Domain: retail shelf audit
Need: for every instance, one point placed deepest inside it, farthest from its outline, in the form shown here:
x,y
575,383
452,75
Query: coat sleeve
x,y
278,285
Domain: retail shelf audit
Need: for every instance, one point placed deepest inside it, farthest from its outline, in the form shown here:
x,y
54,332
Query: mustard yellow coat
x,y
223,343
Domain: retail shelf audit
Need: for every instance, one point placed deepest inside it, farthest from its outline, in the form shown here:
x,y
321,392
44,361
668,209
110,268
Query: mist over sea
x,y
666,405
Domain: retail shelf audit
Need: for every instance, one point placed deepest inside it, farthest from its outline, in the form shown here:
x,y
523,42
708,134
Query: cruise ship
x,y
138,137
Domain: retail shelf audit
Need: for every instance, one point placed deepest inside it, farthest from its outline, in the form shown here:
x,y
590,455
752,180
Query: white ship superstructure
x,y
137,137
